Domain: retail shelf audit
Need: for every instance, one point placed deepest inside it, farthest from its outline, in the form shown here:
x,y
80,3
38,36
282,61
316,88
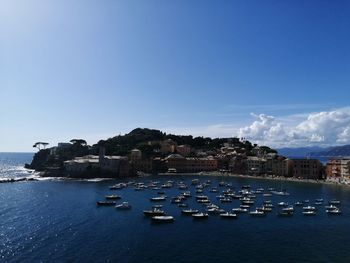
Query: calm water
x,y
58,221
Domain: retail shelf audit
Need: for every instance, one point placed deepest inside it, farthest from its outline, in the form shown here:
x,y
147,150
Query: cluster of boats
x,y
225,195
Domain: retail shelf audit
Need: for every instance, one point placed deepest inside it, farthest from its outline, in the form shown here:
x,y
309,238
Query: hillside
x,y
334,151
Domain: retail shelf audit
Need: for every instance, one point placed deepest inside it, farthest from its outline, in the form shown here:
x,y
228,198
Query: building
x,y
184,150
80,165
191,165
307,168
278,165
118,166
338,168
94,166
256,165
167,146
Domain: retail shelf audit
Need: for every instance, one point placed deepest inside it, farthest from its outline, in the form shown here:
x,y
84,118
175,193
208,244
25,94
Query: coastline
x,y
271,178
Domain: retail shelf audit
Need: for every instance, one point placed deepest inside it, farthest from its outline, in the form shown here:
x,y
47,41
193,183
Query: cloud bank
x,y
319,128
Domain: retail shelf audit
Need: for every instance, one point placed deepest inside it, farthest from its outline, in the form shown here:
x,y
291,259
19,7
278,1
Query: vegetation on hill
x,y
146,140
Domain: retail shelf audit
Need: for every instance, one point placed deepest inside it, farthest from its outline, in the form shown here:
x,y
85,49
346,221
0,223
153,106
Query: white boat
x,y
257,213
158,198
201,197
189,211
333,211
283,204
113,197
240,210
280,192
331,207
163,218
200,215
123,206
285,214
309,208
309,213
288,209
228,215
153,212
298,204
267,194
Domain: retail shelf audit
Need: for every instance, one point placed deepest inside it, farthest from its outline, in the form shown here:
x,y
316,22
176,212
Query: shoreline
x,y
276,178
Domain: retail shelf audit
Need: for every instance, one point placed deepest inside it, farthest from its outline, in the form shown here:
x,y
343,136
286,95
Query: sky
x,y
275,72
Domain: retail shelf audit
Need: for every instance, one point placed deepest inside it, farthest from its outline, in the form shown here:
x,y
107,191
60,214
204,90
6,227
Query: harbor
x,y
61,219
208,198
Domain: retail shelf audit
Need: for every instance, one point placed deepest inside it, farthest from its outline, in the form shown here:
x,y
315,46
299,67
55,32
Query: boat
x,y
195,181
158,198
288,209
319,200
105,203
239,210
245,206
123,206
267,194
280,192
266,209
331,207
298,204
163,218
318,203
309,208
283,204
112,197
200,215
309,213
333,211
182,205
285,214
189,211
257,213
228,215
198,197
154,212
203,201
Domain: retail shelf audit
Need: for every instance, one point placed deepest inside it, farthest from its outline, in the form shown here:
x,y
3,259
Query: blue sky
x,y
276,72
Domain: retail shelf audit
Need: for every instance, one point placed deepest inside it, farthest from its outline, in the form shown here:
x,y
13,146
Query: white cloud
x,y
318,128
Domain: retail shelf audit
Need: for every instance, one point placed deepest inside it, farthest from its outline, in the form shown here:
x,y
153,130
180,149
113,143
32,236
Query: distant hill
x,y
300,152
333,151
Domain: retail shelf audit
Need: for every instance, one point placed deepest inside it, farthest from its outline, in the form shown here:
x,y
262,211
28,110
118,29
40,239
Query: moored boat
x,y
200,215
113,197
158,198
333,211
123,206
257,213
189,211
163,218
309,213
228,215
154,212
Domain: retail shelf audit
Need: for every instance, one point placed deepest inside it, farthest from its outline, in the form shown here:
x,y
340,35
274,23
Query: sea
x,y
56,220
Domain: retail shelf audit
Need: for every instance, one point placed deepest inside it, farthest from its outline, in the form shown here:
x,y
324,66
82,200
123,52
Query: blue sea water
x,y
58,221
